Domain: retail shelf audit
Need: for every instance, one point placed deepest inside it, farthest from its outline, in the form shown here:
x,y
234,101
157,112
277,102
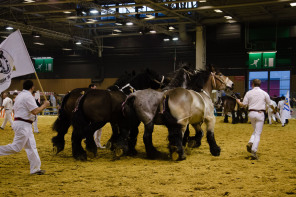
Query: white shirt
x,y
7,103
281,105
273,103
256,99
24,104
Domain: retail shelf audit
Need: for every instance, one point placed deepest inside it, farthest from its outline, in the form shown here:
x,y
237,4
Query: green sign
x,y
44,64
255,60
258,60
268,60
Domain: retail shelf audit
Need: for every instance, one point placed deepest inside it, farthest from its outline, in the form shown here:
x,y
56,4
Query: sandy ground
x,y
230,174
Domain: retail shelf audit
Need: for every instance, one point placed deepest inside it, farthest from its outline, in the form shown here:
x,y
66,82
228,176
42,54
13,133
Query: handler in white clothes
x,y
272,114
7,105
256,99
281,105
25,110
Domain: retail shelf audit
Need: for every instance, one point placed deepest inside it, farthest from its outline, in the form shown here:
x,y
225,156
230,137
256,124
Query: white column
x,y
200,48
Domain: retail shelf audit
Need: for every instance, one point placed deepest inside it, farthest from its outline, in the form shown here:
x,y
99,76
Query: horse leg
x,y
133,141
77,150
186,136
195,141
114,137
147,138
175,141
61,125
214,148
225,118
91,146
234,117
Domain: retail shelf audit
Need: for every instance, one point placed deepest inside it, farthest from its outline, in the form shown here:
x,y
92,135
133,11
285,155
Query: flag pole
x,y
40,85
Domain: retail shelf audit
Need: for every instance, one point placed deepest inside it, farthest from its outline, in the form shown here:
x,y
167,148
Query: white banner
x,y
14,59
287,110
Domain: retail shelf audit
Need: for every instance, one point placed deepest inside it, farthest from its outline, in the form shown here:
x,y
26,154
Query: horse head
x,y
219,81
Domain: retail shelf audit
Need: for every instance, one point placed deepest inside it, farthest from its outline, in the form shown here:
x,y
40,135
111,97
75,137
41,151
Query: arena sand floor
x,y
201,174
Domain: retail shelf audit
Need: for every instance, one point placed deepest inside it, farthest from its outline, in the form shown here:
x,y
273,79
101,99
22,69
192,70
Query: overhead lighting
x,y
29,1
78,43
203,1
66,49
39,43
94,11
9,28
67,12
171,28
117,23
149,16
218,11
166,39
83,12
228,17
90,21
117,30
129,23
175,38
293,4
153,31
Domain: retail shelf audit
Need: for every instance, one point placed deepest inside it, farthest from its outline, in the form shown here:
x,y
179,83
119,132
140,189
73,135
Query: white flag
x,y
287,111
14,59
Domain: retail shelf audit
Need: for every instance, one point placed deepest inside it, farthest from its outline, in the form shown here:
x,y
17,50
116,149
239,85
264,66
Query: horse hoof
x,y
55,150
91,155
191,143
108,145
175,156
188,151
118,152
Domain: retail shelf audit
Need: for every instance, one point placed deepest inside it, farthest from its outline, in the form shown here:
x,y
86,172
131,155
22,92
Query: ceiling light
x,y
171,28
129,23
117,23
39,43
94,11
83,12
153,31
175,38
218,11
66,49
228,17
67,12
203,1
117,30
293,4
9,28
90,21
78,43
166,39
29,1
149,16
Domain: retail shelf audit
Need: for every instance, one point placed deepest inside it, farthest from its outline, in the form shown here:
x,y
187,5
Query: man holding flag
x,y
15,61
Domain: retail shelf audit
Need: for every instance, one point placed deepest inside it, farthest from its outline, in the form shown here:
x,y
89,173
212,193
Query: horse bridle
x,y
159,82
215,77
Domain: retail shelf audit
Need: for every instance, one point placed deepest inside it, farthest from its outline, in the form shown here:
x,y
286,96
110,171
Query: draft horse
x,y
183,107
145,106
230,105
125,85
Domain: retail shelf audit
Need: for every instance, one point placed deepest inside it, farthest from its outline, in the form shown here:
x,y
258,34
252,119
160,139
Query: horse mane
x,y
121,81
145,79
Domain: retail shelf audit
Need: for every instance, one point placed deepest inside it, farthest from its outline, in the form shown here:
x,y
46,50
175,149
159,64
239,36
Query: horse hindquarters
x,y
175,133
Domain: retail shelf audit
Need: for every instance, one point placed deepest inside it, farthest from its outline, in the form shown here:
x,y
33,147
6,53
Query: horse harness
x,y
214,76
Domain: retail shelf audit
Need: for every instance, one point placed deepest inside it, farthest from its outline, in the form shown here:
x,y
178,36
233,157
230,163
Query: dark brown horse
x,y
237,112
125,84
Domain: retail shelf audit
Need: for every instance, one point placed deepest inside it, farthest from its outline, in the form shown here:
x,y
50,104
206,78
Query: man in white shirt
x,y
7,105
25,111
256,100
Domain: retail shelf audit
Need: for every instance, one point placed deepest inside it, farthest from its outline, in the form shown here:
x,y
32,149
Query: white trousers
x,y
257,121
272,116
97,138
7,117
23,138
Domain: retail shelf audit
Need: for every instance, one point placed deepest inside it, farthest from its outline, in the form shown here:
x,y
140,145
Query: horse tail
x,y
79,120
129,112
62,123
168,118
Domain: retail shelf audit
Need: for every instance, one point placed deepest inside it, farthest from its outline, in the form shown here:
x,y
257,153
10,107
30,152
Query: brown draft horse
x,y
183,107
123,85
230,105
